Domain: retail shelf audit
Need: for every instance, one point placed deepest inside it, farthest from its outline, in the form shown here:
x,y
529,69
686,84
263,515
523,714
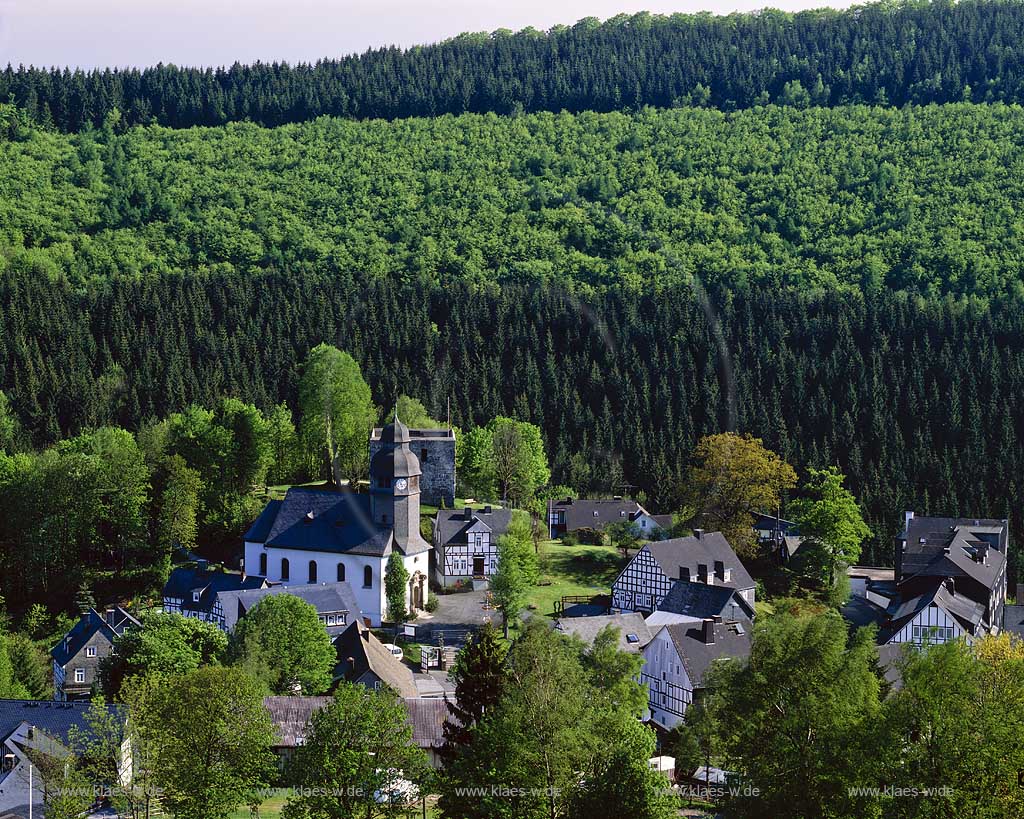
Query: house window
x,y
263,564
90,651
341,572
367,577
79,675
195,596
312,571
424,454
285,570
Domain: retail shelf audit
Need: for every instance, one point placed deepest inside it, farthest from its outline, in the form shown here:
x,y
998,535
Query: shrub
x,y
431,604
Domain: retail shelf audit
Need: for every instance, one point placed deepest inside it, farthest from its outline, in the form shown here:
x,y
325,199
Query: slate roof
x,y
701,601
697,656
581,513
87,626
183,581
764,522
291,716
859,611
324,597
691,551
452,524
953,547
260,529
587,628
358,644
889,656
1013,620
323,520
964,610
55,719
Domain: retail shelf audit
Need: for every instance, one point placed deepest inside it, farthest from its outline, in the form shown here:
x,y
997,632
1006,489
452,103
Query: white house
x,y
703,557
315,535
677,659
937,616
466,543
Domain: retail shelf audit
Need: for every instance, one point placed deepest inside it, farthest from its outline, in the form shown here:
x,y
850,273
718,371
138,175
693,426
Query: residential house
x,y
335,603
291,717
703,557
435,451
195,591
315,535
634,633
40,727
573,514
678,658
466,543
688,602
76,658
363,659
950,576
779,536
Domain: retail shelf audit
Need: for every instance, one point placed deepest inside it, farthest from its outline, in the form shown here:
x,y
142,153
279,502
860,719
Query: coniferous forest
x,y
888,53
842,279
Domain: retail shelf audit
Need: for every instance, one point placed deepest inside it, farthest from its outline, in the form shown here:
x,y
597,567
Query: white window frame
x,y
79,675
90,651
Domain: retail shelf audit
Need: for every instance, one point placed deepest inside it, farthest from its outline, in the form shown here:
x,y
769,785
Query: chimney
x,y
708,632
568,500
202,564
907,517
467,513
241,565
109,615
720,570
617,497
698,533
948,583
487,509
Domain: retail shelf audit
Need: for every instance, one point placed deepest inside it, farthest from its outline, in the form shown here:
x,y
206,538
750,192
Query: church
x,y
319,535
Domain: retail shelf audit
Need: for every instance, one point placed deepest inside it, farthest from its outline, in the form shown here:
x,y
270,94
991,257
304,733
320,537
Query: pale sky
x,y
91,33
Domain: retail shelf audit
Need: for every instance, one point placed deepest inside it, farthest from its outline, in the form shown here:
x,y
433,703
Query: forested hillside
x,y
920,198
896,53
916,399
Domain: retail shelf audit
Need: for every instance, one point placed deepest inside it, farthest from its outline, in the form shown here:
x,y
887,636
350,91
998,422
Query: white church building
x,y
319,535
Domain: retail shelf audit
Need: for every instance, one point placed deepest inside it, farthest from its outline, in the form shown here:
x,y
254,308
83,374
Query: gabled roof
x,y
701,601
184,581
961,608
324,597
453,525
1013,620
322,520
111,623
770,522
630,625
427,716
360,651
693,551
260,529
582,513
954,547
55,719
697,656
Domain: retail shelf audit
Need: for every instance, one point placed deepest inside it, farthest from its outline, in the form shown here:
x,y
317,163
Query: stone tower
x,y
395,488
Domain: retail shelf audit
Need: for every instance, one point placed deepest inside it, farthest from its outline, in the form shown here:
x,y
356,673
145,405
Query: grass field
x,y
573,570
271,809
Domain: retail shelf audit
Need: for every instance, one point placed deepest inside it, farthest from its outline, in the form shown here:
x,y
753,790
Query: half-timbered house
x,y
466,543
703,557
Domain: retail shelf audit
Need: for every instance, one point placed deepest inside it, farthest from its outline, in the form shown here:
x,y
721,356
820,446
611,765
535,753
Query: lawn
x,y
271,809
573,570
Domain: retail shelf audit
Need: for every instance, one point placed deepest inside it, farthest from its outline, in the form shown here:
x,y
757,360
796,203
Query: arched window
x,y
312,571
367,577
284,568
263,564
341,572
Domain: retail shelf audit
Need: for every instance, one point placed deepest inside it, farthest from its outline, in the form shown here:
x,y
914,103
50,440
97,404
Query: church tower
x,y
395,488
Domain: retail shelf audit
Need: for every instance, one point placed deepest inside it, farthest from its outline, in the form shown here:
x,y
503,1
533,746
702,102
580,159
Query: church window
x,y
341,572
263,564
367,577
284,569
312,571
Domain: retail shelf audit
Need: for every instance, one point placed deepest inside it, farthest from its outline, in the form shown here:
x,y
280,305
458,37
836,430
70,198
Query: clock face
x,y
401,484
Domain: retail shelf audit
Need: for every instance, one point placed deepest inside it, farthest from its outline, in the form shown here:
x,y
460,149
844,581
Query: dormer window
x,y
195,596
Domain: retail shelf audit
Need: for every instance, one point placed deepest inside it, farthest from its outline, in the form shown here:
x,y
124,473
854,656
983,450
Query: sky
x,y
99,33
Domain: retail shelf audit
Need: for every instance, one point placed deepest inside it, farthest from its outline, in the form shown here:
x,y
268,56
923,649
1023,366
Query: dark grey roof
x,y
697,656
55,719
581,513
890,656
324,597
859,611
184,581
395,462
427,716
395,433
111,623
452,525
360,651
693,551
326,520
965,611
260,529
703,601
955,547
1013,620
587,628
769,522
291,716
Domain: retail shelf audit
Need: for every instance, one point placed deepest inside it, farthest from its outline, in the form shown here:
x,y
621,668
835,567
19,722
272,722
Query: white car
x,y
394,650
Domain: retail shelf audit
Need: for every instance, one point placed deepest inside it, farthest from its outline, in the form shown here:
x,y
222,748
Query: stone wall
x,y
435,449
